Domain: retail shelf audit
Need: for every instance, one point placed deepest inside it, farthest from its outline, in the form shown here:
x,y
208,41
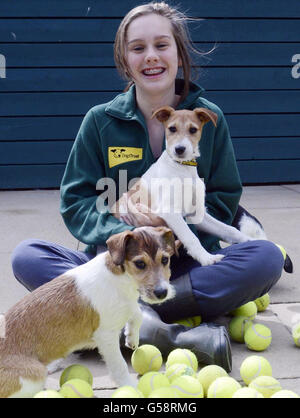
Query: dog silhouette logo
x,y
121,155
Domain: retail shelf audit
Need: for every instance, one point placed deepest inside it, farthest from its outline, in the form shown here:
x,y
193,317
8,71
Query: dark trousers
x,y
247,271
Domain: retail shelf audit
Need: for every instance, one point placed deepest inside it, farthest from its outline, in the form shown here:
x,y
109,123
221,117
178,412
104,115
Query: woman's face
x,y
151,53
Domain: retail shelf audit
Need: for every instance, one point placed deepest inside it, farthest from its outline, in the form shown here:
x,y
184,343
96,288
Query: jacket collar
x,y
124,105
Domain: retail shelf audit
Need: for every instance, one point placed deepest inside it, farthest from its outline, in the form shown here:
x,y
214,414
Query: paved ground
x,y
35,214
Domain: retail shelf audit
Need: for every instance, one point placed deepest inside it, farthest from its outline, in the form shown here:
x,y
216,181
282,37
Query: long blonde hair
x,y
180,32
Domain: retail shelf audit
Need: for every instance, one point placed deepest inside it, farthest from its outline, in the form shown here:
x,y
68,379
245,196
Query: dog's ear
x,y
169,239
116,246
163,113
205,115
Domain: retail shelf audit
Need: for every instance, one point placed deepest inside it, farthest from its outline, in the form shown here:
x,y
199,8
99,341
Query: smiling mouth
x,y
150,72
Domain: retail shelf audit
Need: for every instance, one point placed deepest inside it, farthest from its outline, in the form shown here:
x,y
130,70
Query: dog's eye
x,y
172,129
140,264
164,260
193,130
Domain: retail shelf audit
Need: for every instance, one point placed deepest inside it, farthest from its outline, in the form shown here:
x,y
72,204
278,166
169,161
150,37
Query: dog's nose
x,y
179,150
160,292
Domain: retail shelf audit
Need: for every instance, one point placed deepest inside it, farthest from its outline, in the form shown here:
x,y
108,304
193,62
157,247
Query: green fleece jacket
x,y
113,144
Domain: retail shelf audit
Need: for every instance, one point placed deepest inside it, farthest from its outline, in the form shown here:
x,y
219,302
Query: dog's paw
x,y
210,259
132,340
55,366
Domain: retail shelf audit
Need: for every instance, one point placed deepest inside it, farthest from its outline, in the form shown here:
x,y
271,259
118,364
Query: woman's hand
x,y
138,214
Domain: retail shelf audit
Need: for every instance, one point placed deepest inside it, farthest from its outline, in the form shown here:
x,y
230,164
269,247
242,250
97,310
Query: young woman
x,y
119,140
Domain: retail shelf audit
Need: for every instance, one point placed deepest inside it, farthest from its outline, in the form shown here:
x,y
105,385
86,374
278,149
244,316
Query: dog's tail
x,y
250,225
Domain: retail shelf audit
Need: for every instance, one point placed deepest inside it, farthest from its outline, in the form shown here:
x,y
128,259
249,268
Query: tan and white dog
x,y
87,307
172,190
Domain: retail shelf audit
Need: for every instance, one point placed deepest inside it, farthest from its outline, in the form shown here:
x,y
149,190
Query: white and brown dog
x,y
87,307
177,168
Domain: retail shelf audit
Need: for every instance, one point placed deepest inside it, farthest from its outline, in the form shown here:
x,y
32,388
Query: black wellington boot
x,y
210,342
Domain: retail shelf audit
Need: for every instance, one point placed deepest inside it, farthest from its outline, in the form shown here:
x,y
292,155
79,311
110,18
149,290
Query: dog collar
x,y
191,162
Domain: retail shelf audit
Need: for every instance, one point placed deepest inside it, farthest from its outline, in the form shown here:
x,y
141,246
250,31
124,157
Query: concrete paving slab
x,y
32,214
286,313
266,197
294,187
25,214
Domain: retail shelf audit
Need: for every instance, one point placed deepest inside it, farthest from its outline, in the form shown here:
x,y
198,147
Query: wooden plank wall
x,y
58,58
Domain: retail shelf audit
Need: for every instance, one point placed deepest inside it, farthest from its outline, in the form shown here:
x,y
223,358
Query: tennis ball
x,y
282,251
263,302
187,387
209,374
48,394
258,337
285,394
253,367
191,322
151,381
247,393
177,370
266,385
296,334
165,392
237,328
76,371
248,309
223,387
184,356
146,358
127,392
76,388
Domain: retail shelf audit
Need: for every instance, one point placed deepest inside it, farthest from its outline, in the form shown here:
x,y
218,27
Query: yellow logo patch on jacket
x,y
121,155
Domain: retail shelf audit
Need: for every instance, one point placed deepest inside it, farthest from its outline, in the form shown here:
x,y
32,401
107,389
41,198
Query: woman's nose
x,y
151,57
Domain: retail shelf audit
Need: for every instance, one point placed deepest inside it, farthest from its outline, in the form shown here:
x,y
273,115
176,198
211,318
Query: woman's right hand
x,y
138,214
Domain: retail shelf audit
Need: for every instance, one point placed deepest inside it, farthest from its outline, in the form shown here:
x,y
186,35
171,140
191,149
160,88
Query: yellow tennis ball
x,y
253,367
146,358
263,302
282,251
237,328
247,393
248,309
76,371
151,381
285,394
187,387
193,321
296,334
76,388
165,392
127,392
184,356
258,337
266,385
223,387
209,374
48,394
177,370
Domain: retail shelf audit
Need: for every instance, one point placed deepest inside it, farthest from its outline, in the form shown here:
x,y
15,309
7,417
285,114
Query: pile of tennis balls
x,y
76,381
242,329
183,379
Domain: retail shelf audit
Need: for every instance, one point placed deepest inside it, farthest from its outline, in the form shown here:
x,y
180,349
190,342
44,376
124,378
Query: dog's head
x,y
183,130
144,254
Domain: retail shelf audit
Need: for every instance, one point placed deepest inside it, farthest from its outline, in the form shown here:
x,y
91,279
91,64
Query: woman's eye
x,y
162,45
164,260
140,265
138,48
